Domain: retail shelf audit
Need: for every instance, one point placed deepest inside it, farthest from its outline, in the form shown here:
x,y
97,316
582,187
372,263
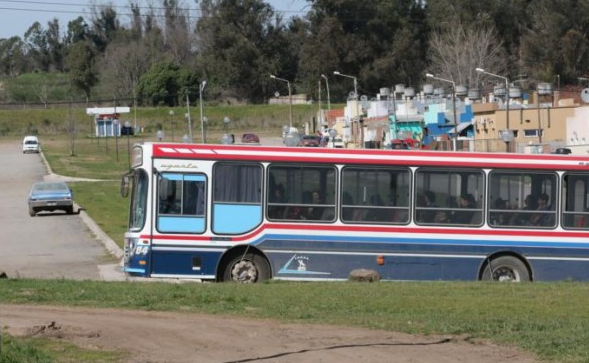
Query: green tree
x,y
165,84
13,60
80,66
37,48
380,42
234,52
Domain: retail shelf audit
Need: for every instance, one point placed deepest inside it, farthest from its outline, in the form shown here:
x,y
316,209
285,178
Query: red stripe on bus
x,y
371,229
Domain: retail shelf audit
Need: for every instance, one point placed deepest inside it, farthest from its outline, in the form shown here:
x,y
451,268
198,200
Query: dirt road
x,y
154,337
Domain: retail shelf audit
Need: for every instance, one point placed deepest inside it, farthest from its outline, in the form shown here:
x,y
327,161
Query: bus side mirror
x,y
125,181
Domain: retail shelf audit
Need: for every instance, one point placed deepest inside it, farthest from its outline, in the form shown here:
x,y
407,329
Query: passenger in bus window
x,y
442,217
170,205
467,203
545,218
427,215
523,219
277,196
499,218
315,212
294,213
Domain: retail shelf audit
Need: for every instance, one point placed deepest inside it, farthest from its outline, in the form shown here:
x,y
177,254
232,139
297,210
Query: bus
x,y
248,213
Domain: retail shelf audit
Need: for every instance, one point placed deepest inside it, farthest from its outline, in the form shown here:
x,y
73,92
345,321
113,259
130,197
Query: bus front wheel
x,y
248,268
505,269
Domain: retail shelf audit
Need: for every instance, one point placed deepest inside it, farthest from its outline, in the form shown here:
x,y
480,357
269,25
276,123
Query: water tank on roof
x,y
409,92
515,92
544,89
499,90
385,91
428,89
439,92
461,90
399,88
474,94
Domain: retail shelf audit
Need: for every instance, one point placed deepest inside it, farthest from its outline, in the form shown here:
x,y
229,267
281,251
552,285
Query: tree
x,y
13,61
122,66
455,53
380,42
178,39
80,66
55,46
37,49
232,44
165,84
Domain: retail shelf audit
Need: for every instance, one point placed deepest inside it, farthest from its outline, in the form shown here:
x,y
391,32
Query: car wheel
x,y
69,210
32,212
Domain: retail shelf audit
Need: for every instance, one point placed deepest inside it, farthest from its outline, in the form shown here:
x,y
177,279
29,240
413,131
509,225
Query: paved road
x,y
50,245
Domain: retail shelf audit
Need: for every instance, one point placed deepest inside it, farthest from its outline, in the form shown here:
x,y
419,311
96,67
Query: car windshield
x,y
50,187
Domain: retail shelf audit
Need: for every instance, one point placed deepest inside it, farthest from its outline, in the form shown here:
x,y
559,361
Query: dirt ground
x,y
155,337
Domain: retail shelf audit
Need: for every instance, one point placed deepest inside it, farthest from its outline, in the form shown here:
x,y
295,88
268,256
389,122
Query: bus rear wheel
x,y
506,269
248,268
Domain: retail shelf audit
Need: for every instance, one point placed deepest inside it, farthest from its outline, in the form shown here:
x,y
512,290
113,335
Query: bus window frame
x,y
300,204
455,208
357,208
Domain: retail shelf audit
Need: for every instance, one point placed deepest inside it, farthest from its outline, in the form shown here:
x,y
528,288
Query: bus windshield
x,y
138,200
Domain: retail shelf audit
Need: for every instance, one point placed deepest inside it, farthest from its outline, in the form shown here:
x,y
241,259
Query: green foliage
x,y
19,351
44,350
38,87
80,65
163,83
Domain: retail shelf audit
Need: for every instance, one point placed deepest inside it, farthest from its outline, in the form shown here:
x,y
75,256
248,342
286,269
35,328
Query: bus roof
x,y
368,156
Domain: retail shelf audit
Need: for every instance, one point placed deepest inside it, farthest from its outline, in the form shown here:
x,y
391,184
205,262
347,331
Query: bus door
x,y
180,220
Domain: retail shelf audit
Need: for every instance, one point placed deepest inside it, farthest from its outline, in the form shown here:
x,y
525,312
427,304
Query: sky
x,y
17,16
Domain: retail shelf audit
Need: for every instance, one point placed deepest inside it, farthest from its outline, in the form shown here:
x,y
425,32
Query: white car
x,y
336,142
30,144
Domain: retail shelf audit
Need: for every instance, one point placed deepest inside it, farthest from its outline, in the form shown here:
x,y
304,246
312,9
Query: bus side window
x,y
169,200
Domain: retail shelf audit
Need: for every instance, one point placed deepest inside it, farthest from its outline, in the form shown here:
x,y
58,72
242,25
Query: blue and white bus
x,y
251,213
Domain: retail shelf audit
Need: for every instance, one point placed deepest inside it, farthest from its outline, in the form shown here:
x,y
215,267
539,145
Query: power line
x,y
124,7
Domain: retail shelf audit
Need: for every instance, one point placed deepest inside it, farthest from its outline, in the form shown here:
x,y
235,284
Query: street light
x,y
327,87
203,84
337,73
429,75
172,122
480,70
289,97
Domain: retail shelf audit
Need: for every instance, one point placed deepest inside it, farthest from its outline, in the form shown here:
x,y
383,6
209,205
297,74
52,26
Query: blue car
x,y
50,196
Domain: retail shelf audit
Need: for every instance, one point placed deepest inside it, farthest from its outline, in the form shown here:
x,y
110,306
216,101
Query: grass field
x,y
549,319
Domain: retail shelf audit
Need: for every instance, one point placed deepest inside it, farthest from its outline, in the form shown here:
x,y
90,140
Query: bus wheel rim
x,y
244,271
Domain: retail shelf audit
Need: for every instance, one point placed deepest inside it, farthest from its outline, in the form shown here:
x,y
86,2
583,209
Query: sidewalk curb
x,y
108,243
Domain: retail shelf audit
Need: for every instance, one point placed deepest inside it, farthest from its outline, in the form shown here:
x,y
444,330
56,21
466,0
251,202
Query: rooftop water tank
x,y
409,92
399,88
385,91
515,92
439,92
474,94
544,89
428,89
499,90
461,90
